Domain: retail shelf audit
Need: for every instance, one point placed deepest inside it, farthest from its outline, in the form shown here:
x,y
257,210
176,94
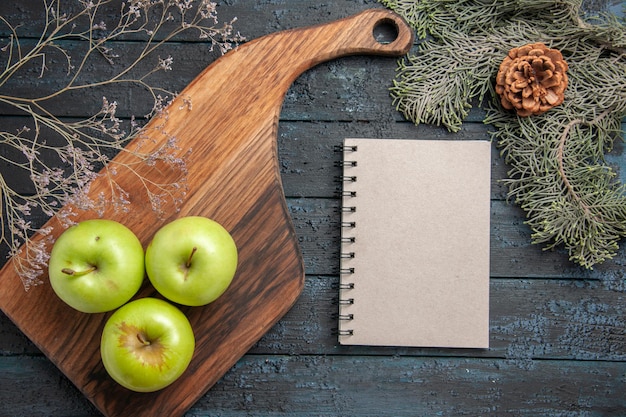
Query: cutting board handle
x,y
354,35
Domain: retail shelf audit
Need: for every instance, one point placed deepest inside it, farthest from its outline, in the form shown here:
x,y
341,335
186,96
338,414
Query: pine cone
x,y
532,79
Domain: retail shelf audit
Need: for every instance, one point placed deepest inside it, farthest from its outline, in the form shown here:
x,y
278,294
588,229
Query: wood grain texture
x,y
233,177
348,386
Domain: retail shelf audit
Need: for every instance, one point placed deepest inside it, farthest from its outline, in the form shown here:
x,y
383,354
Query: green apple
x,y
96,265
147,344
192,260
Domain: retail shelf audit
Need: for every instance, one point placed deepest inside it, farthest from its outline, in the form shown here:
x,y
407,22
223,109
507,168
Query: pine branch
x,y
558,174
437,86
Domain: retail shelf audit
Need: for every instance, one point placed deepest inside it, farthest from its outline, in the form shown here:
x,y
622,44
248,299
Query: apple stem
x,y
70,271
142,339
188,263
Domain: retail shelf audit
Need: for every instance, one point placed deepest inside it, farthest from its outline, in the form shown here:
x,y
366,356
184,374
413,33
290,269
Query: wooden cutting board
x,y
233,177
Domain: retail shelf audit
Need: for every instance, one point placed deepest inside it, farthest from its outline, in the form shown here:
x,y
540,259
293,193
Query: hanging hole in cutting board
x,y
385,31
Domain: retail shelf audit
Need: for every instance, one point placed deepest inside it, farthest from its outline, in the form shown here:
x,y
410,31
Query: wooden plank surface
x,y
331,386
558,332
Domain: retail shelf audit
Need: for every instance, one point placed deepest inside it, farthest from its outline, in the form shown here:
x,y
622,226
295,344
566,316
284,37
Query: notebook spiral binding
x,y
346,239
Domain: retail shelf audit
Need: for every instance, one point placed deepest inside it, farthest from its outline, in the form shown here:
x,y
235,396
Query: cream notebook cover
x,y
415,243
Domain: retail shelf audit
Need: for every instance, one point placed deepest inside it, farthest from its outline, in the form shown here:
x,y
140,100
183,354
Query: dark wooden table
x,y
558,332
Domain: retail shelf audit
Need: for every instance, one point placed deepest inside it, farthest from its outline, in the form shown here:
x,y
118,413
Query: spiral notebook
x,y
415,243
